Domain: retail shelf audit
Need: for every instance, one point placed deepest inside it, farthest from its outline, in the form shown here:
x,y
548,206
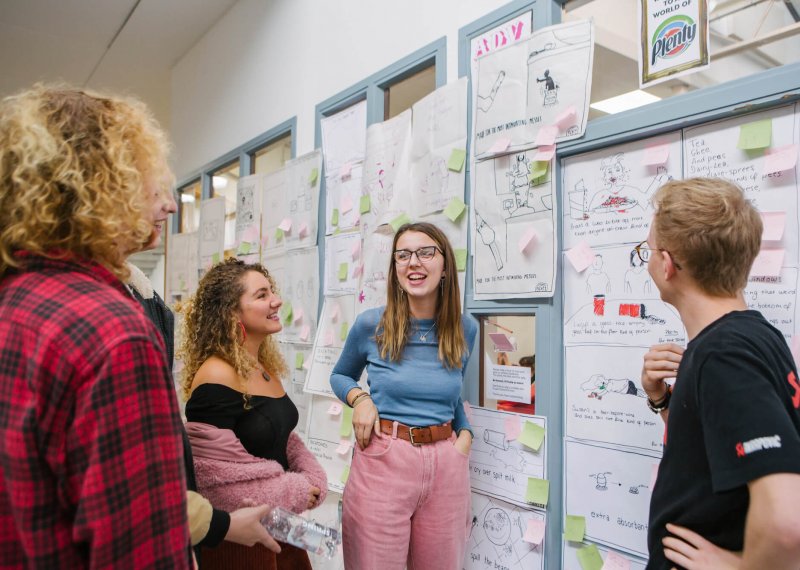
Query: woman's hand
x,y
246,528
693,552
463,442
365,419
313,497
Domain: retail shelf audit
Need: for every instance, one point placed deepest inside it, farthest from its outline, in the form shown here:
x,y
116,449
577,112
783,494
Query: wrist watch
x,y
663,404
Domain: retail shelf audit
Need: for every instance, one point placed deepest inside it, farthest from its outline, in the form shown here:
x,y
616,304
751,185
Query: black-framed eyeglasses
x,y
643,251
424,254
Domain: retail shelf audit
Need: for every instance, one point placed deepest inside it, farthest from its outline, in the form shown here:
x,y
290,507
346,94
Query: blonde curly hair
x,y
211,326
72,172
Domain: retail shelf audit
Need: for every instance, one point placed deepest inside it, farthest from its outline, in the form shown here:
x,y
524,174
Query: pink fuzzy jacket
x,y
230,478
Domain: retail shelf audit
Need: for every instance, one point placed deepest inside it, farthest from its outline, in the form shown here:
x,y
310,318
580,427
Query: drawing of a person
x,y
598,386
550,92
617,195
598,282
637,279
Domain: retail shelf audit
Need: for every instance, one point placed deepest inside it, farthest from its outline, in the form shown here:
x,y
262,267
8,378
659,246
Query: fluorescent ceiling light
x,y
219,182
624,102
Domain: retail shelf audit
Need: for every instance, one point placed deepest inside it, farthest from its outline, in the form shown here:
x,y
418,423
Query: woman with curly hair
x,y
407,497
240,419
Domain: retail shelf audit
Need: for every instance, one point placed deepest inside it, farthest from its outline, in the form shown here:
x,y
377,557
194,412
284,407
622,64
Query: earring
x,y
244,333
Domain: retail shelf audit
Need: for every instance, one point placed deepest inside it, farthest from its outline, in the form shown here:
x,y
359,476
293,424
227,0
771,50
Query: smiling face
x,y
419,280
160,205
258,306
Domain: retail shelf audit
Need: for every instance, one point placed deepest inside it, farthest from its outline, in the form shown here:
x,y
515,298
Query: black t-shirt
x,y
733,418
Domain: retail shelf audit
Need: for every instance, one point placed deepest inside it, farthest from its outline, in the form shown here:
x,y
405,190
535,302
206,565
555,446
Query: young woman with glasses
x,y
407,499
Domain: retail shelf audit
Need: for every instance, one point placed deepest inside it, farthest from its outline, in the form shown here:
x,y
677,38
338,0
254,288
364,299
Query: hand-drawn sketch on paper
x,y
776,299
376,252
302,183
338,315
344,137
274,210
297,357
496,536
212,231
343,195
248,210
300,291
498,466
322,439
341,270
509,202
570,556
182,264
610,487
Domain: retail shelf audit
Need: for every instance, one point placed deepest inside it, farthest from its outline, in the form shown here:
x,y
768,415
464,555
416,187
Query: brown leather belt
x,y
418,435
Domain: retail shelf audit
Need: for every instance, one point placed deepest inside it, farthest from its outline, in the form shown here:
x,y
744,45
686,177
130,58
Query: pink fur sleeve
x,y
302,461
229,485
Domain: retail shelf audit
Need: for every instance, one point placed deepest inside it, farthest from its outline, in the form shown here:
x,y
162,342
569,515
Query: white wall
x,y
266,61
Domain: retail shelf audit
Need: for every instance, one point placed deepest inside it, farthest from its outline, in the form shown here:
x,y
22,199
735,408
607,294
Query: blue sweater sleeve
x,y
460,420
353,358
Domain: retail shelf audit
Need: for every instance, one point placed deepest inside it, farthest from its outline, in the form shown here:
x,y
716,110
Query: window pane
x,y
271,157
223,183
401,95
189,197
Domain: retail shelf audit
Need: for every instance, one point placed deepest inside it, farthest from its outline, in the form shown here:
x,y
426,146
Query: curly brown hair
x,y
211,327
72,172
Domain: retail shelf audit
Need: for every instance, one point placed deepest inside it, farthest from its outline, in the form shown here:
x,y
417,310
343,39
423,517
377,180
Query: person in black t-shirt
x,y
728,486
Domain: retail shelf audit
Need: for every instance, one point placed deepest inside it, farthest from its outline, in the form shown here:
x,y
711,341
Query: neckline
x,y
285,393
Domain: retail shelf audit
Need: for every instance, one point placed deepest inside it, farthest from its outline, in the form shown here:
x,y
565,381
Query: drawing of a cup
x,y
577,202
599,305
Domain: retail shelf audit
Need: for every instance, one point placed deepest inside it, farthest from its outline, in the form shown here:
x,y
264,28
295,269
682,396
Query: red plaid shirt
x,y
91,472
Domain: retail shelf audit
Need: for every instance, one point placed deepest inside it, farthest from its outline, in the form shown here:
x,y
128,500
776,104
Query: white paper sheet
x,y
338,315
300,287
341,193
338,253
212,232
273,210
182,263
570,556
322,439
302,183
344,137
248,211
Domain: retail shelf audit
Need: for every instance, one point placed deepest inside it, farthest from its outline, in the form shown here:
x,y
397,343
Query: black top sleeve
x,y
220,523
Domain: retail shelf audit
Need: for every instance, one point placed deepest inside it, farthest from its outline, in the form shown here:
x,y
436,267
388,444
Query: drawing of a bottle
x,y
577,202
599,305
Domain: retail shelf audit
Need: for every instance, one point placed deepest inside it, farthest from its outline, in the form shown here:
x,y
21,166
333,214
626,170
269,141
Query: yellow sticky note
x,y
343,331
286,312
399,221
244,248
538,491
215,259
461,259
757,134
346,427
364,204
298,360
343,272
312,178
456,160
589,558
454,209
532,435
335,217
575,528
278,234
345,474
538,170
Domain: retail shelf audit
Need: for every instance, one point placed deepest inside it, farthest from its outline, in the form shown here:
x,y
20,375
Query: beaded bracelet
x,y
358,398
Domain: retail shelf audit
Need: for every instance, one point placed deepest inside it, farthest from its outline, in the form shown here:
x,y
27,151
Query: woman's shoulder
x,y
215,371
369,319
469,324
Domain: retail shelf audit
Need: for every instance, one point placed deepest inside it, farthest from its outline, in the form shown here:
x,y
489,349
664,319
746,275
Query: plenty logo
x,y
673,37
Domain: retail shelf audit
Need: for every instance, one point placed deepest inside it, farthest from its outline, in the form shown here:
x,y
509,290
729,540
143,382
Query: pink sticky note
x,y
358,270
303,231
774,223
768,263
306,365
335,312
345,204
250,235
297,316
653,476
286,224
581,256
655,155
544,153
502,342
344,171
500,145
567,118
795,346
304,332
335,409
327,340
468,410
780,159
534,533
616,561
344,446
513,428
526,240
546,135
355,251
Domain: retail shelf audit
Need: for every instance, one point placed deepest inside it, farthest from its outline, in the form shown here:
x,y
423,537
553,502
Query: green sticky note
x,y
343,272
215,259
244,248
335,217
757,134
532,435
461,259
575,528
589,558
399,221
538,170
343,331
286,312
456,160
454,209
298,360
364,204
537,491
312,178
347,422
345,475
278,234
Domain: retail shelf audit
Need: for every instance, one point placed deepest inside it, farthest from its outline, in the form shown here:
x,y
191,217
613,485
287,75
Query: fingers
x,y
678,558
269,542
687,535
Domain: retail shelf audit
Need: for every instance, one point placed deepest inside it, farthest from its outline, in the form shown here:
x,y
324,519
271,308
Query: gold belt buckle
x,y
411,435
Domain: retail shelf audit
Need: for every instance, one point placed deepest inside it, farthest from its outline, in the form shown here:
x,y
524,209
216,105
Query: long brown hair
x,y
211,326
394,327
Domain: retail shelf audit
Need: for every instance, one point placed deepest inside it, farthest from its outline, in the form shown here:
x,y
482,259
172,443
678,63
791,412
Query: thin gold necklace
x,y
424,336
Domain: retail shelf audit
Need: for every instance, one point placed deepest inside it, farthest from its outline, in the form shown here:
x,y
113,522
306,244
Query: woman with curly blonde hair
x,y
240,419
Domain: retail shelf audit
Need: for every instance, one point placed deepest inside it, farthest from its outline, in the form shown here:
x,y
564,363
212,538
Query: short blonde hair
x,y
710,229
72,171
